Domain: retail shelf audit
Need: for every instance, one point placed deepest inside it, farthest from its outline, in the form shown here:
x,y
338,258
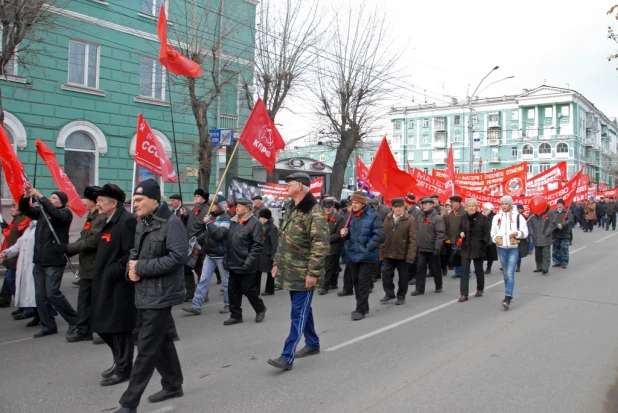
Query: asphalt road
x,y
555,350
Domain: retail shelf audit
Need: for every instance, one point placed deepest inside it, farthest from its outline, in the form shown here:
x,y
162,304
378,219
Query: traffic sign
x,y
226,136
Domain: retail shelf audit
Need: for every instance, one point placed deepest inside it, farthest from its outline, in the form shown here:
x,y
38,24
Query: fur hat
x,y
359,196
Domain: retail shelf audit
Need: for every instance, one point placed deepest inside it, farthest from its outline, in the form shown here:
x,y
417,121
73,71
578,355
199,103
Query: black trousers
x,y
610,220
84,306
388,275
121,345
377,272
347,278
243,284
270,282
5,293
47,293
190,278
465,270
431,261
331,272
445,254
542,256
412,270
172,332
362,274
155,350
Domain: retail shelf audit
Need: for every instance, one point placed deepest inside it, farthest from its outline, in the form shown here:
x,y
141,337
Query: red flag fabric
x,y
450,170
261,138
362,181
150,154
386,177
410,169
12,168
174,61
60,178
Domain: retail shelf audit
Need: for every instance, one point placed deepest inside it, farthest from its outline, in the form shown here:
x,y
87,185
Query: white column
x,y
521,121
555,120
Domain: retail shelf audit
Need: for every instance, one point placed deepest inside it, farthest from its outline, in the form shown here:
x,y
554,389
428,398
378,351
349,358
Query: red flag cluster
x,y
150,154
12,168
386,177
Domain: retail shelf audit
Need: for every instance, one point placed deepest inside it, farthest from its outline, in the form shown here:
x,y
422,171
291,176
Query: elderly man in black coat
x,y
113,303
156,266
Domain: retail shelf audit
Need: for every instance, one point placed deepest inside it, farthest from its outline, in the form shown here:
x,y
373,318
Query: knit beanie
x,y
62,196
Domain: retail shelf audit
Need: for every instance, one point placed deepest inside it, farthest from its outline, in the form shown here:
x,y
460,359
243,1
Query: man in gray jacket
x,y
541,228
156,268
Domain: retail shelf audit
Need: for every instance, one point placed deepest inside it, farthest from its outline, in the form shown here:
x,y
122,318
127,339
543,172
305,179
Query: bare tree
x,y
286,40
354,78
214,40
23,23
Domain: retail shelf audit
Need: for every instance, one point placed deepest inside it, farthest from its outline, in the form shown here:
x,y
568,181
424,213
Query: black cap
x,y
112,191
256,197
90,192
373,201
301,177
397,202
176,196
344,203
337,204
265,213
62,196
455,198
560,201
426,200
201,192
149,188
433,196
328,203
245,202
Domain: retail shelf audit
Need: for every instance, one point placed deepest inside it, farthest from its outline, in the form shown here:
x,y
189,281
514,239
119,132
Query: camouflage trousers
x,y
561,252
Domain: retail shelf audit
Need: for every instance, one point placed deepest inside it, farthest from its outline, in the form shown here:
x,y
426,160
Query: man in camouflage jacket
x,y
299,265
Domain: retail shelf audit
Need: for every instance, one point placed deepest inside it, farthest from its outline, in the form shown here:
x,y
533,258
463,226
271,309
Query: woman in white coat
x,y
24,280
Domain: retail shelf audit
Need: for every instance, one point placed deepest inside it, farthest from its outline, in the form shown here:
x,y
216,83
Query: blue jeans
x,y
508,260
202,287
10,279
561,252
302,323
458,272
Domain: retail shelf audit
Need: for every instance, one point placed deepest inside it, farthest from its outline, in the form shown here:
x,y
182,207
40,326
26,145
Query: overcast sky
x,y
450,44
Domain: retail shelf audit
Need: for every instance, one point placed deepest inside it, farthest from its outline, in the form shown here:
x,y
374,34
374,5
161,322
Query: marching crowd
x,y
134,267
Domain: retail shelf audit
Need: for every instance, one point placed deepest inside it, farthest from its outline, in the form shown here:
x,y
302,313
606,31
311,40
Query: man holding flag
x,y
563,222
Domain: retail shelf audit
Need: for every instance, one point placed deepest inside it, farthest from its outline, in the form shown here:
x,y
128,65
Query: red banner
x,y
62,180
547,180
149,152
261,138
426,185
12,168
581,194
274,195
611,192
385,175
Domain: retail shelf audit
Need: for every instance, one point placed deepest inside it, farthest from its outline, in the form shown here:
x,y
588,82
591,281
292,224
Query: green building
x,y
97,69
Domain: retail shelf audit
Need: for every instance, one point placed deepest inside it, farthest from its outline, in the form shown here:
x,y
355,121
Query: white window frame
x,y
544,145
543,167
475,119
425,123
514,152
515,115
523,149
457,169
425,139
410,156
396,141
457,154
397,125
476,170
96,151
154,10
457,136
426,170
410,123
562,145
155,62
549,112
86,56
425,155
565,111
530,114
457,120
322,157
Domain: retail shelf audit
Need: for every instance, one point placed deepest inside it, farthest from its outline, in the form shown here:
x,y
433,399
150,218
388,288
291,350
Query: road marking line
x,y
164,409
579,249
606,237
17,341
399,323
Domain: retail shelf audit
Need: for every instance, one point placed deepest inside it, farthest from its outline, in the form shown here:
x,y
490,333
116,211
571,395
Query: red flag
x,y
60,178
261,138
362,171
174,61
13,169
386,177
410,169
450,169
149,152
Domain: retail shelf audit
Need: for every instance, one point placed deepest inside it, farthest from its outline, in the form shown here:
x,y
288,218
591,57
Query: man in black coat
x,y
195,227
156,266
48,263
178,208
244,246
331,265
113,302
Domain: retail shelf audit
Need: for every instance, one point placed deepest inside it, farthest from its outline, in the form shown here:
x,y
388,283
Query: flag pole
x,y
36,163
223,177
133,180
169,92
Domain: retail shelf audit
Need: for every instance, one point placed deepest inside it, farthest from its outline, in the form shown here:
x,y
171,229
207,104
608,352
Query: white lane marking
x,y
579,249
164,409
399,323
606,237
17,341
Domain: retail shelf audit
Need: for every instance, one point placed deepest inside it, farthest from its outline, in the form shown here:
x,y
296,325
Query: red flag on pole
x,y
13,169
150,154
410,169
60,178
261,138
450,169
386,177
362,171
174,61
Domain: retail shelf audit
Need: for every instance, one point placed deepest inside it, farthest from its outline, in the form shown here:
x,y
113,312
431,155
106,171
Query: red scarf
x,y
242,222
455,213
196,211
427,221
87,226
358,214
545,217
459,242
20,227
330,219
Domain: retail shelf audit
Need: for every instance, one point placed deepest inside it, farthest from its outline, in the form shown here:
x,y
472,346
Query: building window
x,y
457,137
476,170
457,169
425,139
410,124
514,152
543,167
457,119
527,150
426,170
494,169
396,141
564,111
549,112
322,157
80,159
493,134
84,64
515,115
425,123
475,119
152,79
410,156
425,155
530,113
544,148
529,168
397,125
371,158
152,7
562,148
457,154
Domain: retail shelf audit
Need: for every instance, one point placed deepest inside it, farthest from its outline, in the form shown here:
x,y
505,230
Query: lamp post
x,y
470,128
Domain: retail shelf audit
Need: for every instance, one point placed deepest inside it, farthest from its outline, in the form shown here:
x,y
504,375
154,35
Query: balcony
x,y
591,160
439,159
532,132
439,143
545,155
493,142
527,156
589,143
439,124
563,137
493,121
494,159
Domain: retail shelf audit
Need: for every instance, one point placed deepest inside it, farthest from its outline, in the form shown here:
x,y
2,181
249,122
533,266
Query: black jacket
x,y
45,247
214,239
564,219
244,245
335,225
601,209
431,235
184,217
195,220
271,242
86,245
161,248
476,229
113,295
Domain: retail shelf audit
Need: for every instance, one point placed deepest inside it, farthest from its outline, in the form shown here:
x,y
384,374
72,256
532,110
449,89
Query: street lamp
x,y
471,166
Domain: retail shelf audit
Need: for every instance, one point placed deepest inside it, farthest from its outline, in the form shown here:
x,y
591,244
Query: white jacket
x,y
504,224
24,280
